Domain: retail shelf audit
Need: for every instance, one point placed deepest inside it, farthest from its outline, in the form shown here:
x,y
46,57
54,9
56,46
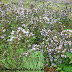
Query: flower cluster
x,y
30,30
56,43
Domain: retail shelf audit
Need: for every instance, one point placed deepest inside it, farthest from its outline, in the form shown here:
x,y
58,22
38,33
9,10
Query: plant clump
x,y
35,38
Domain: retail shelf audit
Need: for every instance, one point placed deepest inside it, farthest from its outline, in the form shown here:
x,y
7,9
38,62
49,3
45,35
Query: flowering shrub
x,y
33,37
56,44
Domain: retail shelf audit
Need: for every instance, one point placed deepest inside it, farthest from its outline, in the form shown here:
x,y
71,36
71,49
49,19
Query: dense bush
x,y
33,37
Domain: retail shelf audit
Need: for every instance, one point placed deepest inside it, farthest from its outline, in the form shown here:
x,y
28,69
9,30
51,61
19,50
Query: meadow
x,y
35,36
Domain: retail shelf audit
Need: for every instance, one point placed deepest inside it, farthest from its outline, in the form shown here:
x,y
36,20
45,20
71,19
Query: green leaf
x,y
3,61
61,71
58,69
66,68
69,54
70,62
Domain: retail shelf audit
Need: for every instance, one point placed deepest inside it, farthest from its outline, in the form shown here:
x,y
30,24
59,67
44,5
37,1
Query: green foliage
x,y
33,61
58,69
32,40
66,68
70,56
